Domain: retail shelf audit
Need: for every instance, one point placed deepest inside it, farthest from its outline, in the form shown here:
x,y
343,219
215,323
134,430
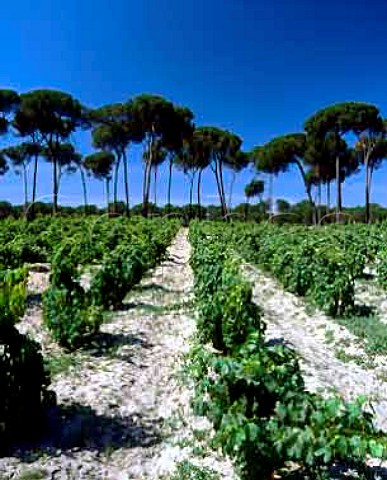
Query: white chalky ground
x,y
127,415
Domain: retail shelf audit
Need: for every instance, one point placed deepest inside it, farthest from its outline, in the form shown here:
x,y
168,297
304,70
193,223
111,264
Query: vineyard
x,y
140,349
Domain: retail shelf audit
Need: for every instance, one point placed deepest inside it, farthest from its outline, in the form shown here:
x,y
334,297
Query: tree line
x,y
336,141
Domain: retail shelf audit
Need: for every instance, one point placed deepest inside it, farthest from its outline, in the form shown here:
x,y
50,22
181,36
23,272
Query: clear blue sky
x,y
255,67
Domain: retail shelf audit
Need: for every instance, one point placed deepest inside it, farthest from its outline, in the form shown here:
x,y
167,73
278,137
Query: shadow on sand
x,y
114,345
79,427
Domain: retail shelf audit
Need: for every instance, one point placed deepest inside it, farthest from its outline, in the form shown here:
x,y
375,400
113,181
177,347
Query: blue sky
x,y
255,67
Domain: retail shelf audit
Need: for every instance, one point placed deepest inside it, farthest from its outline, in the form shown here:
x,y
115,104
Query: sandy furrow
x,y
123,413
289,320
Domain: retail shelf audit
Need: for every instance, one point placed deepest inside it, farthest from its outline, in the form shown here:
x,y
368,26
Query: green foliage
x,y
185,470
342,118
254,188
218,149
121,270
23,383
226,311
18,251
100,164
49,112
71,316
381,267
124,267
68,310
23,379
72,313
253,392
60,363
371,329
36,241
277,155
12,296
9,102
321,264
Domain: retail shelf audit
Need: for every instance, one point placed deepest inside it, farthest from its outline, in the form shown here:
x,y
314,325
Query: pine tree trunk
x,y
233,178
58,180
84,189
313,206
170,184
199,199
262,204
126,181
145,189
338,190
271,200
144,212
367,190
155,185
55,186
55,174
246,209
35,179
148,189
115,186
224,205
25,190
34,184
308,192
191,195
147,176
219,187
328,197
107,197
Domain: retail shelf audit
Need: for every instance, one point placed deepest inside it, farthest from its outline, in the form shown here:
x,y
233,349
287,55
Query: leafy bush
x,y
12,296
226,311
23,380
333,285
185,470
207,264
381,268
68,310
71,316
121,270
264,417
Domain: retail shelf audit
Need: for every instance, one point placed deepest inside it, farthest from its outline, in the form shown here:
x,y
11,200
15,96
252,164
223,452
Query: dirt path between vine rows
x,y
319,342
123,412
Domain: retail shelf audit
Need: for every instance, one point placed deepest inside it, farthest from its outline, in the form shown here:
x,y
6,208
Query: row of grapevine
x,y
73,312
253,392
30,242
320,264
312,264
